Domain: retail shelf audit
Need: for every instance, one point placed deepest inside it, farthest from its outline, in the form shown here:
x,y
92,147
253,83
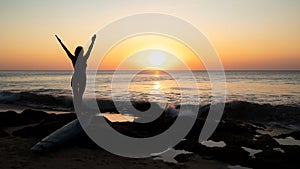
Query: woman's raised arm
x,y
65,48
87,55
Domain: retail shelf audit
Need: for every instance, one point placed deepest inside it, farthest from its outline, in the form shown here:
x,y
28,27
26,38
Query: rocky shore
x,y
243,137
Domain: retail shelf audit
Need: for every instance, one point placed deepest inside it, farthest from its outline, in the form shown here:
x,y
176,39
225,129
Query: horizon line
x,y
152,69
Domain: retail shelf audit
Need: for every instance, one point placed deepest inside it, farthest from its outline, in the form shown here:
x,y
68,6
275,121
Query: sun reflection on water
x,y
156,85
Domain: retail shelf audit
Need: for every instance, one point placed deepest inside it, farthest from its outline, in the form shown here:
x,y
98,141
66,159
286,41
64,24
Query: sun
x,y
157,58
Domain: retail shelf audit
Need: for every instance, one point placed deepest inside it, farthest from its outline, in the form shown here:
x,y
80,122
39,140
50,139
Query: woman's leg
x,y
82,85
75,89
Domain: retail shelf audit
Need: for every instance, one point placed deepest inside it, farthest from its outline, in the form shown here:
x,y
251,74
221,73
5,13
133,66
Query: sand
x,y
16,154
235,131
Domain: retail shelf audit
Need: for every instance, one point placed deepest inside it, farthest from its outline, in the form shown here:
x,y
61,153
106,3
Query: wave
x,y
40,101
283,116
286,116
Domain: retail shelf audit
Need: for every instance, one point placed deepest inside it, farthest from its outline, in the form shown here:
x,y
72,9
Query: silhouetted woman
x,y
79,61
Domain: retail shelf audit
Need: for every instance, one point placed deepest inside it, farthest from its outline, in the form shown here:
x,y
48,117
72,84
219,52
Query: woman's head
x,y
79,51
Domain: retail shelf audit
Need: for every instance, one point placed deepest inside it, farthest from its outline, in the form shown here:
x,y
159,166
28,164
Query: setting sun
x,y
157,58
146,51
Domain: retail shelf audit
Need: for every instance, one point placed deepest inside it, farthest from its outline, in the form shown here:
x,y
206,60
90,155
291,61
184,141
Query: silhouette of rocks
x,y
238,128
275,159
3,133
143,130
246,111
181,158
232,155
33,116
141,105
46,127
294,134
107,106
11,119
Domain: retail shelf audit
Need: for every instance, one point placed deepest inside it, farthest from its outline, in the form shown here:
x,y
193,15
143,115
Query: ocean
x,y
263,87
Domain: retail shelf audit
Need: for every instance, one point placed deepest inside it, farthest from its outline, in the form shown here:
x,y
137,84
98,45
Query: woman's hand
x,y
57,38
94,37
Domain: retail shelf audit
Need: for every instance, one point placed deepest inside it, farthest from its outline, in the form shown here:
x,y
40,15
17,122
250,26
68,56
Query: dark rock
x,y
230,154
143,130
275,159
233,155
141,105
28,116
203,112
3,133
294,134
83,140
235,134
239,110
182,158
194,133
259,125
268,159
46,101
34,115
258,113
265,142
11,119
46,127
236,128
252,112
107,106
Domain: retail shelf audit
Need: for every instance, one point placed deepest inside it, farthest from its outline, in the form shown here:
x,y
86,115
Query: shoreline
x,y
15,149
238,138
19,108
16,154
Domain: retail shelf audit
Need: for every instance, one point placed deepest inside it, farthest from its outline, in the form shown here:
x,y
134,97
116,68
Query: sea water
x,y
270,87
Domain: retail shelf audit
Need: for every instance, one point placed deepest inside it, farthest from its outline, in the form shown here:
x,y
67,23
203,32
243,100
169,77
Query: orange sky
x,y
130,51
246,34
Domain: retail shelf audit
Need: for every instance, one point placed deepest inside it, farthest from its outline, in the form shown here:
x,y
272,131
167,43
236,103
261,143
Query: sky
x,y
247,34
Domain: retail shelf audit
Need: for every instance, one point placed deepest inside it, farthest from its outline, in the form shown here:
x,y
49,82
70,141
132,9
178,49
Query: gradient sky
x,y
247,34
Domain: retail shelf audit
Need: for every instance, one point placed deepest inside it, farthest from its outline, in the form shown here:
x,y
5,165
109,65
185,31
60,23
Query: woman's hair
x,y
78,50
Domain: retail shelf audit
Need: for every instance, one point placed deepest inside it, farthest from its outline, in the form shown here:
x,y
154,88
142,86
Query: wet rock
x,y
34,115
259,125
268,159
46,127
194,133
182,158
28,116
265,142
239,110
141,105
275,159
83,140
46,101
235,134
230,154
143,130
107,106
3,133
294,134
258,113
11,119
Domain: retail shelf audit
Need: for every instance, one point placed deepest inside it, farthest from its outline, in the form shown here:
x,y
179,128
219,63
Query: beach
x,y
238,141
15,144
16,154
259,127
